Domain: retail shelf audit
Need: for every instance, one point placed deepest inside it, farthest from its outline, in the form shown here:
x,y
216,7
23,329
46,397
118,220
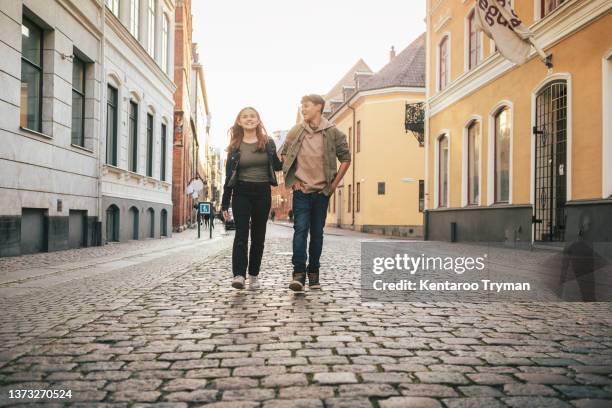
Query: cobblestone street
x,y
157,324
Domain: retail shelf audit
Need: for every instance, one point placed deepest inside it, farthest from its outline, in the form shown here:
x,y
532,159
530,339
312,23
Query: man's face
x,y
310,111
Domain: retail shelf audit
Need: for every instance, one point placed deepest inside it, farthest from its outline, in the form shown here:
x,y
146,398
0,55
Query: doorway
x,y
550,133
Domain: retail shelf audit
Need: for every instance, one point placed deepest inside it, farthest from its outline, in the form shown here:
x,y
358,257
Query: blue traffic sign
x,y
204,208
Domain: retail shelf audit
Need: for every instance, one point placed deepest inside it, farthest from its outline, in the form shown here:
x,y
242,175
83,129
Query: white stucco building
x,y
86,114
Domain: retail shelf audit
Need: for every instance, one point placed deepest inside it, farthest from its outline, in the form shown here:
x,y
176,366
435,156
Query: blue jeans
x,y
309,213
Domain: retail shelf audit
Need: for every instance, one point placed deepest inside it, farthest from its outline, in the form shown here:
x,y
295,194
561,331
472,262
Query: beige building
x,y
383,189
519,154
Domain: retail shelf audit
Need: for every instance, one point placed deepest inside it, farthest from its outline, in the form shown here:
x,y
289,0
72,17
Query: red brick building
x,y
185,139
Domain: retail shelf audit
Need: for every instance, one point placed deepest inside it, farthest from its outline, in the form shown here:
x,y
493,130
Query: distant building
x,y
186,146
382,191
202,119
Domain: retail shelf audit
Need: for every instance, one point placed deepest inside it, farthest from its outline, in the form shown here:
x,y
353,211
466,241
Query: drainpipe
x,y
102,121
353,161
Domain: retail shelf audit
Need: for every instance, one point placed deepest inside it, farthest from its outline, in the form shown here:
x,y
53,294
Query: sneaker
x,y
298,282
313,280
253,282
238,282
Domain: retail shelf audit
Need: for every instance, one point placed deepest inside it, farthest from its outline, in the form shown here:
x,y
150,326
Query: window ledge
x,y
79,147
34,132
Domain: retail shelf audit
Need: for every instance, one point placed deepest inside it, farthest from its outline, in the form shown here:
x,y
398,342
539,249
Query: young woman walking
x,y
250,171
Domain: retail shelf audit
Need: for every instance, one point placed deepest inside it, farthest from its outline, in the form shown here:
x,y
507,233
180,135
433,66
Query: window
x,y
113,6
133,141
502,155
111,126
474,44
164,43
31,76
473,163
78,102
443,171
381,188
112,223
358,134
135,18
548,6
163,228
163,148
151,27
350,139
350,197
358,204
421,195
149,145
443,64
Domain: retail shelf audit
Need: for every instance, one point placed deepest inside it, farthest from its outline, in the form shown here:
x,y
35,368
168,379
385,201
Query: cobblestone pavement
x,y
170,331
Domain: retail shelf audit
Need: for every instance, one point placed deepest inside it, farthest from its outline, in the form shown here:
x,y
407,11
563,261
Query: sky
x,y
269,53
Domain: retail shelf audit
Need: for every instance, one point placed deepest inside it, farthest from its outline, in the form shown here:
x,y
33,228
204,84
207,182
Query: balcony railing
x,y
415,121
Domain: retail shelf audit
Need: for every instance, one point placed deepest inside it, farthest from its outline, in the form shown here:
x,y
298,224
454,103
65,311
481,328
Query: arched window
x,y
443,171
111,125
474,43
133,137
112,223
149,144
501,166
135,222
151,220
473,165
163,151
163,227
443,63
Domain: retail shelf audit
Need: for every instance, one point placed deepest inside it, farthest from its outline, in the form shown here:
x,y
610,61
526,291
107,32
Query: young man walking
x,y
310,167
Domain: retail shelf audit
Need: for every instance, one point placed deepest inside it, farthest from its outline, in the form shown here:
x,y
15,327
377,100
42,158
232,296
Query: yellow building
x,y
519,154
380,191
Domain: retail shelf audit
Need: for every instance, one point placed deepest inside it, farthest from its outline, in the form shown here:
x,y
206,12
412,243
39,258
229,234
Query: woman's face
x,y
248,119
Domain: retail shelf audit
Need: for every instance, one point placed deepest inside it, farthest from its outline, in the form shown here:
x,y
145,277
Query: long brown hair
x,y
236,133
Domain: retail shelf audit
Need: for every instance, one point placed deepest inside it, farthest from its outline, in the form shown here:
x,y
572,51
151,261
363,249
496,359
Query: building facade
x,y
382,190
137,91
201,118
519,154
58,175
185,149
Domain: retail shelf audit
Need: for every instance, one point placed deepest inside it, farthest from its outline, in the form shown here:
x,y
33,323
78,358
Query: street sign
x,y
204,208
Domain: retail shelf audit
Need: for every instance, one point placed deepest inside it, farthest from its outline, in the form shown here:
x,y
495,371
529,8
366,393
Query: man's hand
x,y
332,188
226,215
298,185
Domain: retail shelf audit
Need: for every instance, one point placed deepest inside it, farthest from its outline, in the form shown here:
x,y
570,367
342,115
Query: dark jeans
x,y
250,206
309,213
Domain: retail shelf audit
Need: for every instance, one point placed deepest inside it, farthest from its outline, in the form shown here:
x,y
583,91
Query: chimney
x,y
392,53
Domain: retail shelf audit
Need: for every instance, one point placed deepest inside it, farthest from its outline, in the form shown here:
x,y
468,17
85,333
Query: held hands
x,y
298,185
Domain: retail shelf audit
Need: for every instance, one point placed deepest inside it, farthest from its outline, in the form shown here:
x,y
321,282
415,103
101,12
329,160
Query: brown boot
x,y
298,282
313,280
